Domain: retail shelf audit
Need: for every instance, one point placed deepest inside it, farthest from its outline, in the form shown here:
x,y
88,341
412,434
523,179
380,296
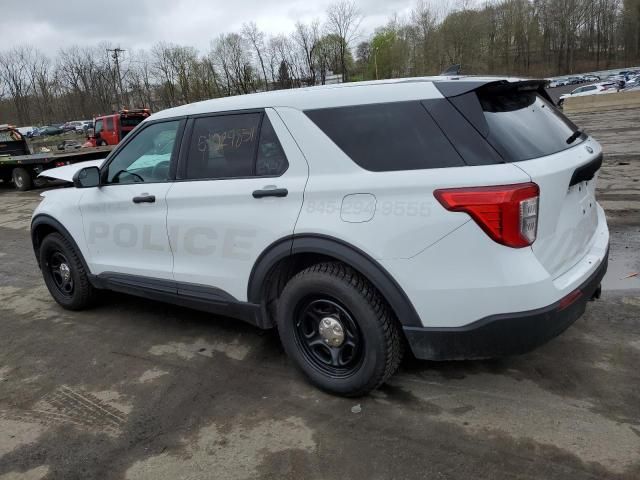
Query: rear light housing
x,y
507,213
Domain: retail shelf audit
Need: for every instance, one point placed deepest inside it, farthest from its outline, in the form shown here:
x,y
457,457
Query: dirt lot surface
x,y
139,390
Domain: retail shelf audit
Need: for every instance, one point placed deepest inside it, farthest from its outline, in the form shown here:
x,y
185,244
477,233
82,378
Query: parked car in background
x,y
633,81
594,89
575,80
86,125
591,78
50,130
73,126
26,131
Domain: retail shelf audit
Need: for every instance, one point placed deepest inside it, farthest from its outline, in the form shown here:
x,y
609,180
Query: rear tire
x,y
351,309
22,179
64,273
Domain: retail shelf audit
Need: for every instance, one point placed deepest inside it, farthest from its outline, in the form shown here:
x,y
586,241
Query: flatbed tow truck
x,y
20,167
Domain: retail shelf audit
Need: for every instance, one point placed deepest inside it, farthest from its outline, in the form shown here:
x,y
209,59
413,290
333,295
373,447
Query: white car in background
x,y
633,82
594,89
26,131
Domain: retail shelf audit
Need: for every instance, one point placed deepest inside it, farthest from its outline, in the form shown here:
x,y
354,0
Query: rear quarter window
x,y
387,136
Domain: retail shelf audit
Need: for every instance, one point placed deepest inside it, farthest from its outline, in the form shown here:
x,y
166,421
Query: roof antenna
x,y
452,70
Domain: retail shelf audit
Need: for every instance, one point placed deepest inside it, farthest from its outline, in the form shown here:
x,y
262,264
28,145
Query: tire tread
x,y
394,347
86,293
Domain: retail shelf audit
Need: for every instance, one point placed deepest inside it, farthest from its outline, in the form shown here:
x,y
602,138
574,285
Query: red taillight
x,y
507,213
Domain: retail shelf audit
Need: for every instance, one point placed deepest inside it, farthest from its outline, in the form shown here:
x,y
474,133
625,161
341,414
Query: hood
x,y
67,172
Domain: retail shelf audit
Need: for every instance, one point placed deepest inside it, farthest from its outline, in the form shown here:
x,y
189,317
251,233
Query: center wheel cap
x,y
331,331
65,271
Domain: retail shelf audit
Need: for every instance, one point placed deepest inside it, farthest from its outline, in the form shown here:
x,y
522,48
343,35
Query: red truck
x,y
110,129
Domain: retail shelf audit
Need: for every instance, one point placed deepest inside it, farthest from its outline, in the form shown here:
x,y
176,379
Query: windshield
x,y
524,125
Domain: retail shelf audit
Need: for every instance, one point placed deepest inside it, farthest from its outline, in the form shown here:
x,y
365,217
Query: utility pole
x,y
375,59
115,54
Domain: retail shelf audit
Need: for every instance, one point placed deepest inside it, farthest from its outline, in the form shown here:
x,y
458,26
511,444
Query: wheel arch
x,y
287,256
43,225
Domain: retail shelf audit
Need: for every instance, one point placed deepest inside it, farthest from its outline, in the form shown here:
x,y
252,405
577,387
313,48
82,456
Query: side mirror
x,y
87,177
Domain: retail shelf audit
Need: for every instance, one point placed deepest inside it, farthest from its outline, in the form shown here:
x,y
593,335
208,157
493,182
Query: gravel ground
x,y
140,390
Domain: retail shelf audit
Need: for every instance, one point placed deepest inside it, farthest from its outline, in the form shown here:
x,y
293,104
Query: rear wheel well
x,y
285,269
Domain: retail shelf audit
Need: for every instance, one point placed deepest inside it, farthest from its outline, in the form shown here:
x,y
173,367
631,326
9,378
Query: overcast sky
x,y
134,24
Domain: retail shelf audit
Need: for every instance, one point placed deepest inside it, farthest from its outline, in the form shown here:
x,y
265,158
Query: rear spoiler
x,y
454,88
452,71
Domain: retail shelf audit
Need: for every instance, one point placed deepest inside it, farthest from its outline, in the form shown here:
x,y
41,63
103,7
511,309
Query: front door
x,y
125,219
239,189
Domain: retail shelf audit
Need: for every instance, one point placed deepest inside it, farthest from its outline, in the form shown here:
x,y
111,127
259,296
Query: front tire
x,y
338,330
64,273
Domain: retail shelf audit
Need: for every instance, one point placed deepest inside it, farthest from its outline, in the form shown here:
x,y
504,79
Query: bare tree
x,y
343,21
14,72
256,38
307,37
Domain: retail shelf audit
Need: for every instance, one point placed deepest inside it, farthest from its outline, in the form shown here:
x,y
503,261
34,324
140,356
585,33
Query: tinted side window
x,y
109,125
387,136
271,158
98,126
223,146
146,158
473,147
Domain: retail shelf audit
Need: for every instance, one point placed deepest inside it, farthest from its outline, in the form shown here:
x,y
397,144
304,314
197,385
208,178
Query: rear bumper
x,y
505,334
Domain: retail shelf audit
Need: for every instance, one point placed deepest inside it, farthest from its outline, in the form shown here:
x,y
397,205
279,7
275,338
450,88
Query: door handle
x,y
270,192
144,199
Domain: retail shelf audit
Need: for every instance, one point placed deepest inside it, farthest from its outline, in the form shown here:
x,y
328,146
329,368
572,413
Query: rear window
x,y
9,136
524,125
387,136
130,121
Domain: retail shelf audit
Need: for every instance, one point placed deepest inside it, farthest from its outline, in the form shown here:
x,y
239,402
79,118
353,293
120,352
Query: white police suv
x,y
454,215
